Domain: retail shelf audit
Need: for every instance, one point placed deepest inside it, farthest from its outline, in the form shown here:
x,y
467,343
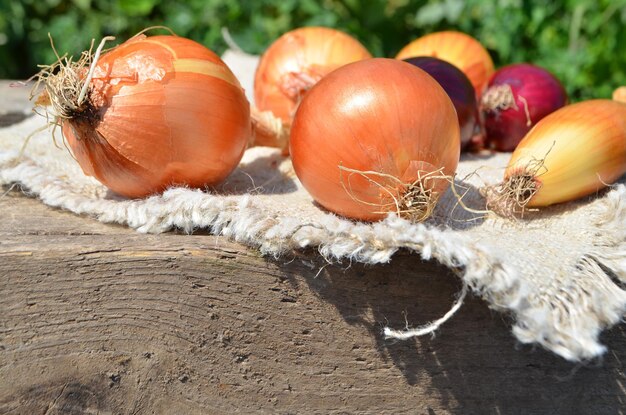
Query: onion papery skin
x,y
620,94
379,115
582,148
533,89
164,111
459,89
460,49
295,61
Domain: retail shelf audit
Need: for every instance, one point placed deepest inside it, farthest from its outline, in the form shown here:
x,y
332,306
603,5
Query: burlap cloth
x,y
559,272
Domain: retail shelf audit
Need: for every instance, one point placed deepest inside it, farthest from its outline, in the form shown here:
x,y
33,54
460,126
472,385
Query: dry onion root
x,y
268,130
511,197
573,152
375,137
150,113
414,201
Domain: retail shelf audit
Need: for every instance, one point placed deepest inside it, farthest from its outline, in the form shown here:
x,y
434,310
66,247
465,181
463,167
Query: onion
x,y
458,88
571,153
152,112
460,49
518,97
620,94
374,137
296,61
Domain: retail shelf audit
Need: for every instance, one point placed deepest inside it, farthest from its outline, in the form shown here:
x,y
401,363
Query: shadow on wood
x,y
473,364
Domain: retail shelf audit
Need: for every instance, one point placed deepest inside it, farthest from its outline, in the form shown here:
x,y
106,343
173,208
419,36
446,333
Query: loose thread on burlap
x,y
322,268
9,190
430,327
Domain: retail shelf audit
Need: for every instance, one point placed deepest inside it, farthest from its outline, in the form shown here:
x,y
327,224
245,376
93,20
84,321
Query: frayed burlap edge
x,y
568,325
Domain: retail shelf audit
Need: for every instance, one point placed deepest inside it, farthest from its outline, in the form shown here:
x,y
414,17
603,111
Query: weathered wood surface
x,y
97,318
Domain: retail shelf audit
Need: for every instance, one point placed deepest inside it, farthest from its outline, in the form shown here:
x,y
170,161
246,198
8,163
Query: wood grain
x,y
100,319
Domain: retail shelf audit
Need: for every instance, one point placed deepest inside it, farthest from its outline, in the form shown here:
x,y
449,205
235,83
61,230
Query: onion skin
x,y
620,94
460,49
163,111
535,94
295,61
379,115
458,88
583,148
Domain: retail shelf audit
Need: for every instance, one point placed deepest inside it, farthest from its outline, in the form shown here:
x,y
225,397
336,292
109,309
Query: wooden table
x,y
97,318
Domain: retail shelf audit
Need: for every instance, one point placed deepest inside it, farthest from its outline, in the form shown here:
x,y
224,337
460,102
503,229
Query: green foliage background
x,y
582,41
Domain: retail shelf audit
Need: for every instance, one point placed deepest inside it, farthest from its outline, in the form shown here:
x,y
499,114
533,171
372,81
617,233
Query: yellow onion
x,y
295,62
573,152
374,137
460,49
152,112
620,94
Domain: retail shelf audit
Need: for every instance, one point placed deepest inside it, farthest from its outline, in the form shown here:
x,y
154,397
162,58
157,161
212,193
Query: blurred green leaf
x,y
137,7
82,4
438,12
581,41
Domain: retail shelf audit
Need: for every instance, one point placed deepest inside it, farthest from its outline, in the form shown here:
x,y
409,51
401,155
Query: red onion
x,y
517,97
458,87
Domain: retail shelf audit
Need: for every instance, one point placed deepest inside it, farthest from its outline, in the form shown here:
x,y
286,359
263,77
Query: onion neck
x,y
268,130
501,98
295,84
498,98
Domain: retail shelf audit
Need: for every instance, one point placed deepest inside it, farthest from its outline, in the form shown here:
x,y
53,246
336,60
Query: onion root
x,y
66,86
509,198
414,201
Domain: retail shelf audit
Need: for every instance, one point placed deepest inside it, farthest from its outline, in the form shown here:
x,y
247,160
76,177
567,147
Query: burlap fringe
x,y
568,323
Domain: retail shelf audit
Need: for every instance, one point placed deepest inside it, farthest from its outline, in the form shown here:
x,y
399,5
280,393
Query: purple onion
x,y
517,97
459,89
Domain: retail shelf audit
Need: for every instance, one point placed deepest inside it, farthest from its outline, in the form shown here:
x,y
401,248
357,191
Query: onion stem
x,y
92,69
230,42
155,28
